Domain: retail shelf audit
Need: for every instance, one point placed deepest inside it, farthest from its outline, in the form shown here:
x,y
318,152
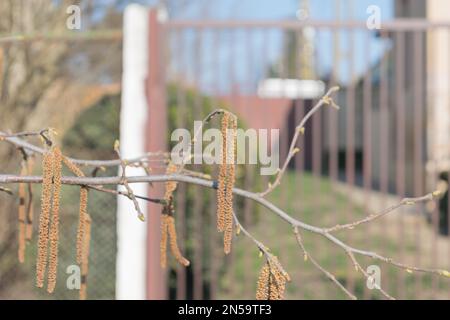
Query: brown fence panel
x,y
355,161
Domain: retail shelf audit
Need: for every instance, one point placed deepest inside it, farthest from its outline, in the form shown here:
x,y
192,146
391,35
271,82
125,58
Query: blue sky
x,y
278,9
281,10
285,10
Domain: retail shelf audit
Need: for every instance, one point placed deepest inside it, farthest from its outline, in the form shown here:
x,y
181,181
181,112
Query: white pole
x,y
131,232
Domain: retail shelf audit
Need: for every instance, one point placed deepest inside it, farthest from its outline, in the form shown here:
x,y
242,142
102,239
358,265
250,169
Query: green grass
x,y
315,200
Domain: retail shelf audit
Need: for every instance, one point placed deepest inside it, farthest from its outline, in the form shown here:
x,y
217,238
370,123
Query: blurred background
x,y
269,62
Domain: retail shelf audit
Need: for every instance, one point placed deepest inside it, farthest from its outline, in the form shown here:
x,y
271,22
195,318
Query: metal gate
x,y
384,143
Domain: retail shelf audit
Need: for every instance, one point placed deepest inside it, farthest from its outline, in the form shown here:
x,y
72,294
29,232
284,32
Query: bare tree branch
x,y
325,100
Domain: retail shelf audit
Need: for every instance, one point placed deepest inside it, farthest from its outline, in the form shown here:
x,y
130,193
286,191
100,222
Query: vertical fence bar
x,y
418,146
400,146
436,82
367,138
284,136
384,142
266,63
232,80
248,179
157,129
181,194
214,252
333,136
197,214
350,148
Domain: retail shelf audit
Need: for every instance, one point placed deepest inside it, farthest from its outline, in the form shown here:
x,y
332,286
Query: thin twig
x,y
326,99
373,216
124,182
329,275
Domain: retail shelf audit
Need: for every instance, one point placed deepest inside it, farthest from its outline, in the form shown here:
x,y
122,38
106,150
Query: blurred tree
x,y
45,84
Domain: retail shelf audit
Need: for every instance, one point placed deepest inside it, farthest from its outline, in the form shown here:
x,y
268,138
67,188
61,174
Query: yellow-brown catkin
x,y
72,167
85,258
171,186
44,218
29,215
54,227
173,242
228,205
262,286
222,175
271,283
21,216
82,214
82,209
163,243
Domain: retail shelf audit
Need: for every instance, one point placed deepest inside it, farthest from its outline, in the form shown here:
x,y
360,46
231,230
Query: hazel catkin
x,y
175,250
262,286
228,205
44,218
163,243
82,214
271,283
171,186
54,227
222,175
226,179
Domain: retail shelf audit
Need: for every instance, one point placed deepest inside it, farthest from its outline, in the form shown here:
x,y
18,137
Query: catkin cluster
x,y
171,186
271,282
226,179
51,190
169,233
83,231
54,228
82,209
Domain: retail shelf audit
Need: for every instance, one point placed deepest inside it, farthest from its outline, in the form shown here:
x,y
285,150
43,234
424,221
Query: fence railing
x,y
386,142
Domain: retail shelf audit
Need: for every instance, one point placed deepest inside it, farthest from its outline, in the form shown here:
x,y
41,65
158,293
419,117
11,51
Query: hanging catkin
x,y
163,243
222,175
85,258
271,282
82,214
44,218
29,214
72,167
21,216
173,242
82,208
54,227
170,185
262,286
228,205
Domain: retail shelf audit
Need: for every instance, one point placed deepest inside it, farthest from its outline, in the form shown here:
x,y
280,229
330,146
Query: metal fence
x,y
93,136
378,148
